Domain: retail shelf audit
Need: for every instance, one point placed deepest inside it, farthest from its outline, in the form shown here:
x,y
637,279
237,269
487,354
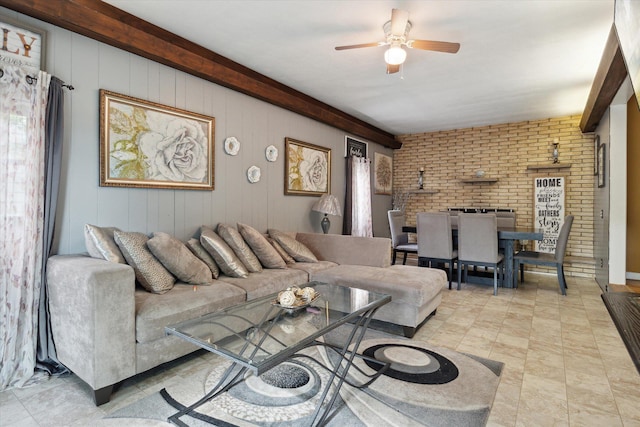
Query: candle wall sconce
x,y
555,151
421,179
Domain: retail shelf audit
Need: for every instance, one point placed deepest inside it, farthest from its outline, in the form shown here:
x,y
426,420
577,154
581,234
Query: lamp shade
x,y
328,204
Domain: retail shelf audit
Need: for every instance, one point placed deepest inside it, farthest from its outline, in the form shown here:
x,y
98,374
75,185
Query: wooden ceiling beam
x,y
105,23
609,77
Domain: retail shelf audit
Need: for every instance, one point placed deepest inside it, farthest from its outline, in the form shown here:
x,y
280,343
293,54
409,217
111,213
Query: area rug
x,y
425,385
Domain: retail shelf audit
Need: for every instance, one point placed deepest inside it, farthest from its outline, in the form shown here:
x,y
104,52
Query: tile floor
x,y
565,364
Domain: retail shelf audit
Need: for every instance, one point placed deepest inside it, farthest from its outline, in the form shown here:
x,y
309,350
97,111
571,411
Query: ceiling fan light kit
x,y
396,33
395,55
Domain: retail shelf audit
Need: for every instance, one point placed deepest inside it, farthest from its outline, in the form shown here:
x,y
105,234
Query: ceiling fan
x,y
396,32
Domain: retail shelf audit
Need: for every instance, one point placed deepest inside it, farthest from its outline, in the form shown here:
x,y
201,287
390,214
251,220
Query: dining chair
x,y
555,259
435,244
478,245
400,239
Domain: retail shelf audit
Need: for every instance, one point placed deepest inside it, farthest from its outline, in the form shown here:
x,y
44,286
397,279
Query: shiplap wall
x,y
90,65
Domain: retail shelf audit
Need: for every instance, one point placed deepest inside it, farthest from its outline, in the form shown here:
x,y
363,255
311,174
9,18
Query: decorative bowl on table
x,y
294,298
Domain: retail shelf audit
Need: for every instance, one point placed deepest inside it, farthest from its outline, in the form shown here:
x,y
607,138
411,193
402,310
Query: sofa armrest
x,y
370,251
92,308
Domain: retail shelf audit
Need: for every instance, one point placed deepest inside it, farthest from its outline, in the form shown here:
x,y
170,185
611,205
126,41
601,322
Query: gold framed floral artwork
x,y
307,169
383,174
148,145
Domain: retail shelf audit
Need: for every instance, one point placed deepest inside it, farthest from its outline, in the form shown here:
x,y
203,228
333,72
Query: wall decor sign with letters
x,y
21,44
354,147
548,206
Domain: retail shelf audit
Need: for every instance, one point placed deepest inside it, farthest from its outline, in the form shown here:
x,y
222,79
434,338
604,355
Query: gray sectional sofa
x,y
107,329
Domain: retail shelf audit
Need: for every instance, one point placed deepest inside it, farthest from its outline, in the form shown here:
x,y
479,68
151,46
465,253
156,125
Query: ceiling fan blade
x,y
399,19
446,47
393,68
358,46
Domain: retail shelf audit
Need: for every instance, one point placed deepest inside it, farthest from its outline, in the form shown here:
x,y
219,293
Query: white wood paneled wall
x,y
90,65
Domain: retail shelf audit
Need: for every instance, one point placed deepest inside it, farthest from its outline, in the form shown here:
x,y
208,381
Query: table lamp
x,y
328,204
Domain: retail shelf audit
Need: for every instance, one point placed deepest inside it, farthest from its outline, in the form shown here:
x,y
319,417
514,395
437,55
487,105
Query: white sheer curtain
x,y
22,142
361,198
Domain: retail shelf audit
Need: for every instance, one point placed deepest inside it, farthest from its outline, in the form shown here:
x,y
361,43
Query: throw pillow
x,y
195,246
179,260
265,252
100,244
223,255
297,250
285,256
150,273
235,241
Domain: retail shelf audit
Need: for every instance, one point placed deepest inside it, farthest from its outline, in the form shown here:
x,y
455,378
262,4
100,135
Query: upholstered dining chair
x,y
555,259
435,244
478,245
400,239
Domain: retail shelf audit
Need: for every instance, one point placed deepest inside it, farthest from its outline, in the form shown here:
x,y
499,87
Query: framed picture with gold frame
x,y
307,168
148,145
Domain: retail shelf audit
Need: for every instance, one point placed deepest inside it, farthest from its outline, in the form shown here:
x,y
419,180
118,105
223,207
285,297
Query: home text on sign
x,y
21,46
548,205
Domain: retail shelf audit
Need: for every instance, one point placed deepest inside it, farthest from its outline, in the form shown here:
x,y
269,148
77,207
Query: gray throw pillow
x,y
223,255
265,252
179,260
100,243
150,273
198,250
235,241
285,256
297,250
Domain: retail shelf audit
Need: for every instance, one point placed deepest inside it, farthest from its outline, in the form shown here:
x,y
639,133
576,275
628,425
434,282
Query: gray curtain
x,y
46,358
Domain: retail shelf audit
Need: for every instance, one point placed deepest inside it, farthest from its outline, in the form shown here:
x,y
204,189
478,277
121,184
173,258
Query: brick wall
x,y
503,152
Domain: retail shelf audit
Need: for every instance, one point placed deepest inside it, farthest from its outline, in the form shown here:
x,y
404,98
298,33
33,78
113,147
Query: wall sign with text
x,y
22,45
548,206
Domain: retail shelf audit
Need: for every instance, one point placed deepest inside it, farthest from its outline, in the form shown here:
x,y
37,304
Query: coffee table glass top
x,y
259,334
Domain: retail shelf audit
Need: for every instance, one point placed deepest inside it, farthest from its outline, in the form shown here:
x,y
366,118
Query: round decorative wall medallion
x,y
253,174
271,153
231,146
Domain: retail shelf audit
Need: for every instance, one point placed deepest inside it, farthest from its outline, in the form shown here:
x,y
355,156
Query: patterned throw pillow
x,y
100,243
265,252
198,250
223,255
179,260
297,250
150,273
235,241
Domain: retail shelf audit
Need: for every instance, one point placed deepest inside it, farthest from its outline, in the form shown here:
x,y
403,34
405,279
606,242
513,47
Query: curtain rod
x,y
31,80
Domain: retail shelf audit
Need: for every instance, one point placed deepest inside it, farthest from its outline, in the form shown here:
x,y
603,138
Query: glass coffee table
x,y
260,334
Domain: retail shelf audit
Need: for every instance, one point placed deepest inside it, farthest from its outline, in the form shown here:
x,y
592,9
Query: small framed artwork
x,y
307,169
383,174
354,147
148,145
601,164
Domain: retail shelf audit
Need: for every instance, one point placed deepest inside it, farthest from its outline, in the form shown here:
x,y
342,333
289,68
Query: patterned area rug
x,y
425,385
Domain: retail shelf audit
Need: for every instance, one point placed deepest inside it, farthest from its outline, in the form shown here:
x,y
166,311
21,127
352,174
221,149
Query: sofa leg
x,y
102,395
409,331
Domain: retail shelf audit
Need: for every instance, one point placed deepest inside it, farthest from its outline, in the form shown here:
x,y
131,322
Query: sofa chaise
x,y
106,328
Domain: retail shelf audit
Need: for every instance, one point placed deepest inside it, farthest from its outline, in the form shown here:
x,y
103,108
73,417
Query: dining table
x,y
507,236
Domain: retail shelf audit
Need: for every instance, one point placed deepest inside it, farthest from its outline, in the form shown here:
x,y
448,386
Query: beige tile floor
x,y
565,364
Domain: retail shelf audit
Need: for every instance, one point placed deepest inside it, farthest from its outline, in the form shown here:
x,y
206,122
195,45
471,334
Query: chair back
x,y
563,238
506,219
396,222
434,235
478,237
